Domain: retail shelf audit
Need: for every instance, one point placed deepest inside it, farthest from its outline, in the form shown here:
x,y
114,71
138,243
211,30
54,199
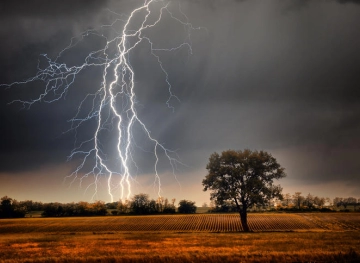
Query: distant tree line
x,y
312,202
140,204
346,202
97,208
10,208
296,202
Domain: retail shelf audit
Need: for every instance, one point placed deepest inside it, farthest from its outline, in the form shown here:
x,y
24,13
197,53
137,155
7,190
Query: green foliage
x,y
114,212
98,208
298,199
10,208
243,177
224,207
140,204
167,208
123,207
187,207
345,202
112,205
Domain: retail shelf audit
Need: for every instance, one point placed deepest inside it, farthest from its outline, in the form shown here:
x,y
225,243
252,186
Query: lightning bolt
x,y
114,105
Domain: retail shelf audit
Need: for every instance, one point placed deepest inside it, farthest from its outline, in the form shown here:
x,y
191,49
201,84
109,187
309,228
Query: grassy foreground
x,y
328,246
308,237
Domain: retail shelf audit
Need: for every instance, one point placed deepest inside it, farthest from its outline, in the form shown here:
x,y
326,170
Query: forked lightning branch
x,y
113,105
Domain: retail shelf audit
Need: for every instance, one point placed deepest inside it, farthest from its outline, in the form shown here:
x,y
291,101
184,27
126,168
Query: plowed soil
x,y
186,223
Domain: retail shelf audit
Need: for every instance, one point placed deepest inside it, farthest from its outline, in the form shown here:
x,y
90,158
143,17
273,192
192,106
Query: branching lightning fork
x,y
114,105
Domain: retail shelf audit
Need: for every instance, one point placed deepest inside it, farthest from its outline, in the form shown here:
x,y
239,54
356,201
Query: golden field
x,y
333,237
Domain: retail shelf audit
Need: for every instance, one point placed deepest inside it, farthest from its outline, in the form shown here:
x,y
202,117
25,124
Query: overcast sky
x,y
280,75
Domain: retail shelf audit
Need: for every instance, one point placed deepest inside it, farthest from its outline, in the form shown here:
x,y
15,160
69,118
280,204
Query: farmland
x,y
185,223
182,238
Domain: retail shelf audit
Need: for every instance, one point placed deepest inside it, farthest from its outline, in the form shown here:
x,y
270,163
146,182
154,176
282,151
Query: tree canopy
x,y
243,177
187,207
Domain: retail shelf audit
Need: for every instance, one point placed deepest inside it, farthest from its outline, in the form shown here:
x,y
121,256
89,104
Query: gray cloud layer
x,y
275,75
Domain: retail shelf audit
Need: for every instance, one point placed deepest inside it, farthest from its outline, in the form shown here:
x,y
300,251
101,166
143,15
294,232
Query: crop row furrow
x,y
186,223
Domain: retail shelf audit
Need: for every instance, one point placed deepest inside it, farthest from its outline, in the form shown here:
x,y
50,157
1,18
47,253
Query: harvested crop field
x,y
333,237
186,223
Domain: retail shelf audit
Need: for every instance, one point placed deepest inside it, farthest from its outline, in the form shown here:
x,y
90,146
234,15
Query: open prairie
x,y
183,238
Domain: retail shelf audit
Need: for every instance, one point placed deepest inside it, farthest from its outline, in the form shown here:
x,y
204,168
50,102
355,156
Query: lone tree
x,y
244,177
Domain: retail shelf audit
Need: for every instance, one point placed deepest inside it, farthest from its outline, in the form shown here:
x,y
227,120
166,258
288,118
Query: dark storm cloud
x,y
348,1
52,9
277,80
275,75
44,25
29,28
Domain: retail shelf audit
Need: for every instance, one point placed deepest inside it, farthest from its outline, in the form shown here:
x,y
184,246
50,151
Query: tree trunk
x,y
243,218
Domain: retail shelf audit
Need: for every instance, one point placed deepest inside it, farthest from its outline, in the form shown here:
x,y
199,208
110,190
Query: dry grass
x,y
327,237
180,247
